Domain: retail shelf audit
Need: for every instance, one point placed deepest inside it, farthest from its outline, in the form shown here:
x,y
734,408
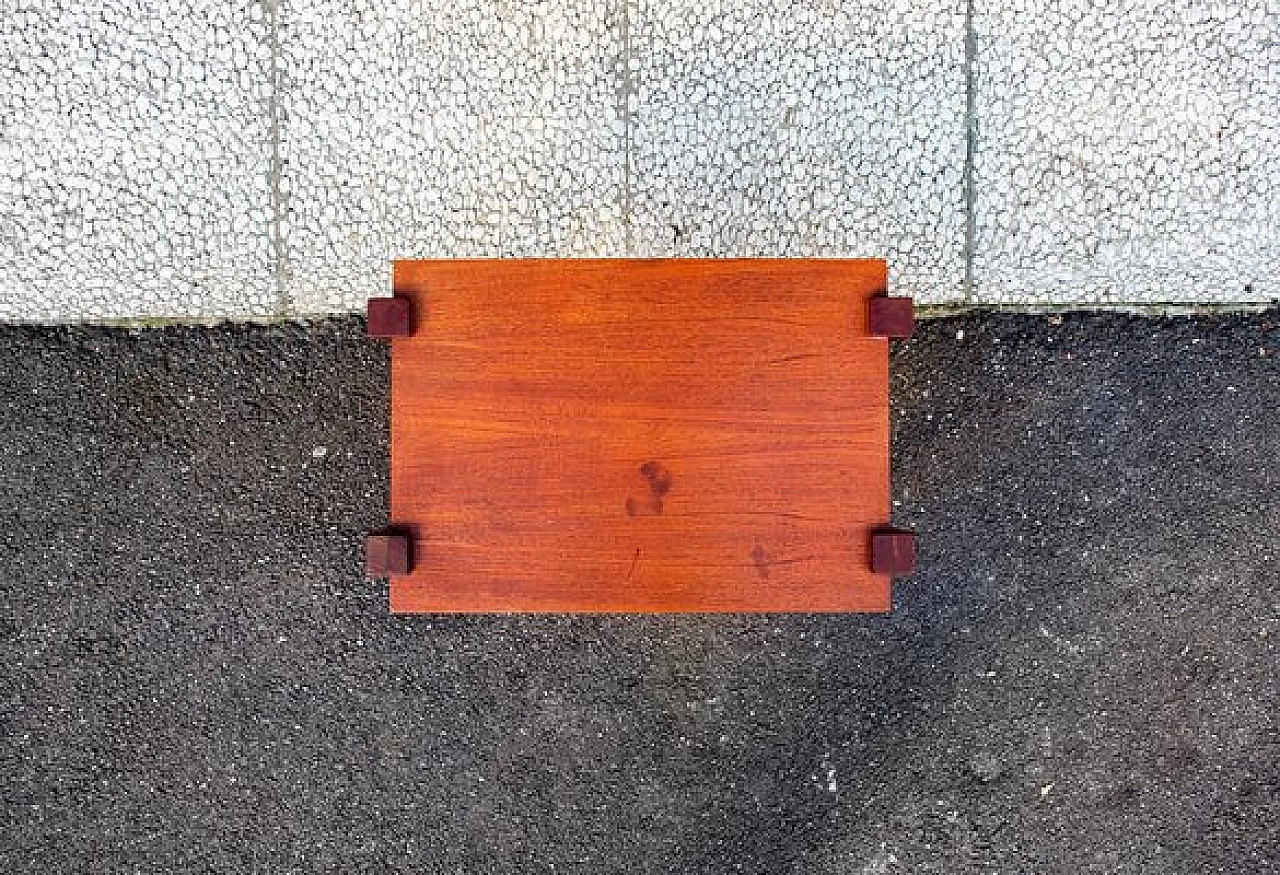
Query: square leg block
x,y
390,317
891,317
893,552
387,553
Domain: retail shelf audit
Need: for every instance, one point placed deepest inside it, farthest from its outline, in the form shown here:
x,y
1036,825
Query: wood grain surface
x,y
640,435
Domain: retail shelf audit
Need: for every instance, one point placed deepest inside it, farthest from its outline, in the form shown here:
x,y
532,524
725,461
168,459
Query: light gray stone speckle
x,y
135,166
1128,156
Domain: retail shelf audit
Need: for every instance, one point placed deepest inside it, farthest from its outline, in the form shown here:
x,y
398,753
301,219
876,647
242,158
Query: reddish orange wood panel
x,y
653,435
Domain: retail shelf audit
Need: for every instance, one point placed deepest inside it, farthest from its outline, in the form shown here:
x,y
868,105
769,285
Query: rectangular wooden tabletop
x,y
640,435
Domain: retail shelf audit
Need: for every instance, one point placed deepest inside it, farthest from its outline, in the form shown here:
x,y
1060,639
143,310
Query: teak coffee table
x,y
640,435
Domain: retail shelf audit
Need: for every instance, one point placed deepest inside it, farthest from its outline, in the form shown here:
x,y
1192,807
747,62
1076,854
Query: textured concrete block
x,y
242,158
135,160
801,129
429,130
1127,155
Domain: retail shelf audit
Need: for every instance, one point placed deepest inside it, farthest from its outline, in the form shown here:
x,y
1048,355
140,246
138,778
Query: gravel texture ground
x,y
1081,678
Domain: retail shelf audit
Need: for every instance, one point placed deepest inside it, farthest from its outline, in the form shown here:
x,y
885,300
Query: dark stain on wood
x,y
660,482
761,559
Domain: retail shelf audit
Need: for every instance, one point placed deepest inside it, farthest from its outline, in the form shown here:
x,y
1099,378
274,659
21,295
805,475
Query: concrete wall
x,y
209,159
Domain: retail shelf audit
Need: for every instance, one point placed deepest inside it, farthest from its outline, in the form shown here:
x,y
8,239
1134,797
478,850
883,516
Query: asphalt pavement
x,y
1082,677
